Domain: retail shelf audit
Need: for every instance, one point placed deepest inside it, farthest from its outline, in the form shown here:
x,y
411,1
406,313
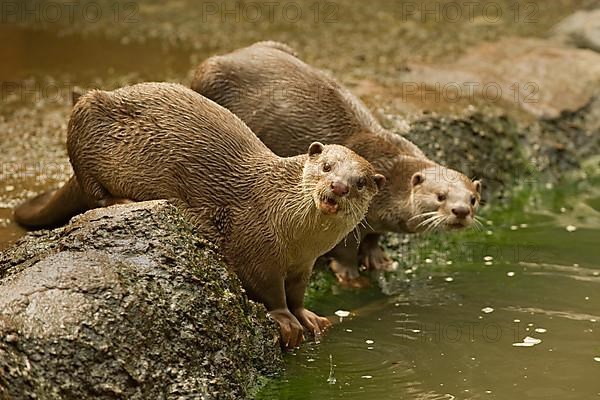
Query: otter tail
x,y
53,208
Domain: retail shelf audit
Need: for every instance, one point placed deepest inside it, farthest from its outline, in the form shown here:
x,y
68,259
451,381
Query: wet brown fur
x,y
164,141
288,104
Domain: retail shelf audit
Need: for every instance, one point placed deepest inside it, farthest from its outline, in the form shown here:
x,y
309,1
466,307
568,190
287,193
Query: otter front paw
x,y
375,258
292,333
348,275
311,321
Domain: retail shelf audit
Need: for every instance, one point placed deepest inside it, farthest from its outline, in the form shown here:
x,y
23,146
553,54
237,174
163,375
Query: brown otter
x,y
270,216
288,104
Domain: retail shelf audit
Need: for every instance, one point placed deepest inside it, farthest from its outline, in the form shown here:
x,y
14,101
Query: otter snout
x,y
339,188
461,212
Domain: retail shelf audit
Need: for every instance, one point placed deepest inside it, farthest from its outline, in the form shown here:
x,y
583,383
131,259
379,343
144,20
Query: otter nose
x,y
461,212
339,188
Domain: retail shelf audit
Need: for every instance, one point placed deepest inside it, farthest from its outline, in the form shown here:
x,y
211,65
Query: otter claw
x,y
292,332
377,259
348,276
312,322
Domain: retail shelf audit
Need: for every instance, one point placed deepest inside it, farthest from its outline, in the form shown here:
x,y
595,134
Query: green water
x,y
449,331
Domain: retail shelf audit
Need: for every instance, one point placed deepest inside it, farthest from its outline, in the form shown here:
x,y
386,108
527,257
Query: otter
x,y
288,104
271,217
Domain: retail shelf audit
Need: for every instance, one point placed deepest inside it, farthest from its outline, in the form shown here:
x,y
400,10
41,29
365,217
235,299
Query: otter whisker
x,y
442,220
431,222
433,225
428,221
422,215
477,224
368,225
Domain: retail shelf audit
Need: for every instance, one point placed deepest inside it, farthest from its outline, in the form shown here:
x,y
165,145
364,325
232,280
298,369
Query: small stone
x,y
11,338
514,227
488,258
510,274
342,313
449,279
540,330
571,228
487,310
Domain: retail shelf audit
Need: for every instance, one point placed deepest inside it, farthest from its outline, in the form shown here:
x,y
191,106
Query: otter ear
x,y
315,148
477,186
379,181
417,179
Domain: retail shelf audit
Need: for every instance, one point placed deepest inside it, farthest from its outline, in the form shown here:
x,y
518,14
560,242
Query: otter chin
x,y
328,205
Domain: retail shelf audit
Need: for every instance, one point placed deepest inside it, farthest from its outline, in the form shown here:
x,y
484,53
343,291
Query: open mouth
x,y
328,205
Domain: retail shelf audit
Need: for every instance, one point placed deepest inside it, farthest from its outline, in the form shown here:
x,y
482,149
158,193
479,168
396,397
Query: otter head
x,y
342,182
441,199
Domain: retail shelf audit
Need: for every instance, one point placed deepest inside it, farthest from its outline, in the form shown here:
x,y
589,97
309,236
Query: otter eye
x,y
326,167
473,200
360,185
441,197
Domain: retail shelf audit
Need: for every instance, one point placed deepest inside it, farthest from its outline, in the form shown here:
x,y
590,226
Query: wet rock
x,y
126,302
536,76
581,29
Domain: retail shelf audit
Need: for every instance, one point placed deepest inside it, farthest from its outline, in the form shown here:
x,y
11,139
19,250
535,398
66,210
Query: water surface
x,y
509,313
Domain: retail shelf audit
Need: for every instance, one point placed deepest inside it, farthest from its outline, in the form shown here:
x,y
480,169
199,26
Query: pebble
x,y
342,313
571,228
488,258
487,310
511,274
449,279
540,330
